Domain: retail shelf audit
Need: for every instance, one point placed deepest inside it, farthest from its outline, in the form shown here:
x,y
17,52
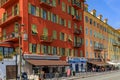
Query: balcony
x,y
76,18
77,45
9,19
12,37
77,31
114,44
46,39
46,4
98,48
76,4
6,3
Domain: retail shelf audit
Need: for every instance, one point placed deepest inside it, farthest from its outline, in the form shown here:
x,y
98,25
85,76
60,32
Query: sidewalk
x,y
87,74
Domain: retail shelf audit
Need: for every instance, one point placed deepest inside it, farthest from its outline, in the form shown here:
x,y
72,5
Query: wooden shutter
x,y
48,14
38,48
49,49
30,47
29,8
37,11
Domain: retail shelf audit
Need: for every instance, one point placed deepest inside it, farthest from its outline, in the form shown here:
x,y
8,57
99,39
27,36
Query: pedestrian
x,y
42,74
68,72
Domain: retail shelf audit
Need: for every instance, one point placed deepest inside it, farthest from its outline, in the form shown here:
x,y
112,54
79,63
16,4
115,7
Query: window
x,y
90,21
62,22
59,2
45,49
90,32
62,51
44,13
54,18
63,7
33,48
69,24
86,31
54,50
15,10
86,42
90,42
94,23
69,9
33,10
54,35
45,31
86,19
62,36
34,29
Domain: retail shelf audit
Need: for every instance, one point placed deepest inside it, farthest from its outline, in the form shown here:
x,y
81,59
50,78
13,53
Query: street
x,y
111,76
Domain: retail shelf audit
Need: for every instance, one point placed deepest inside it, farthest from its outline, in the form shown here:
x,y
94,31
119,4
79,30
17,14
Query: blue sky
x,y
110,9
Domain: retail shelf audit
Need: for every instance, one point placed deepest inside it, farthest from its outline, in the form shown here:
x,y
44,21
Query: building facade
x,y
101,40
42,29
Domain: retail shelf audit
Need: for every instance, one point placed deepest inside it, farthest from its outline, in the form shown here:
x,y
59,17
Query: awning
x,y
48,62
98,63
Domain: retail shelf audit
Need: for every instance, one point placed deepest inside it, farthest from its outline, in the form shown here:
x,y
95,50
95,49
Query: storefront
x,y
77,64
49,65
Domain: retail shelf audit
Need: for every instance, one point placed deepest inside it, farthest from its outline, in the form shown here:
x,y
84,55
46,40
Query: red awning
x,y
48,62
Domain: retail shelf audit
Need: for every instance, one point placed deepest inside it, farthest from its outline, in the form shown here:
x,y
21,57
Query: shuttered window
x,y
69,24
63,7
34,29
54,35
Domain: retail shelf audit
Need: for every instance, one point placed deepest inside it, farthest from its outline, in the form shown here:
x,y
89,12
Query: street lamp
x,y
19,37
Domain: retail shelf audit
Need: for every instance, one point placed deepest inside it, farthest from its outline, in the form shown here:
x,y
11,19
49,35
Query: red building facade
x,y
51,27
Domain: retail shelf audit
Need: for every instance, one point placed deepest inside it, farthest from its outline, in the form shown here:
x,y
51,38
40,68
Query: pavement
x,y
85,75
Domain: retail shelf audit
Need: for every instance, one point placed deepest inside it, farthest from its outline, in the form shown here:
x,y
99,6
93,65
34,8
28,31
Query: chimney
x,y
86,7
100,17
93,12
105,20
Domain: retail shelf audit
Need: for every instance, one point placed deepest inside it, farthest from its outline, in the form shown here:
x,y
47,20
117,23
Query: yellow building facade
x,y
100,37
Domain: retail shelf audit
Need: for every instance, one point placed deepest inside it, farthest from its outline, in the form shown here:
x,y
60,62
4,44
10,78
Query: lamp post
x,y
19,37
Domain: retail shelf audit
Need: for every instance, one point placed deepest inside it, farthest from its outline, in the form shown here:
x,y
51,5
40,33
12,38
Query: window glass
x,y
44,14
33,10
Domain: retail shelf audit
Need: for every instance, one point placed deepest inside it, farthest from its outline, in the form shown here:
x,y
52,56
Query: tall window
x,y
90,32
86,42
33,48
45,49
90,21
86,30
90,42
33,10
63,7
54,18
86,19
54,35
44,13
62,36
34,29
54,50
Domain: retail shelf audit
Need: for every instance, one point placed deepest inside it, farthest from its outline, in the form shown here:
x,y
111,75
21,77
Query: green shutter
x,y
41,12
60,51
57,19
16,29
13,11
37,11
64,22
49,50
72,11
54,34
48,15
38,48
69,24
54,3
52,17
4,34
60,36
45,31
30,47
63,7
66,51
29,8
18,9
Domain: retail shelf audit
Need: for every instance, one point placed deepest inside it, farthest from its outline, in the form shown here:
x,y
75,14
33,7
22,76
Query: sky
x,y
110,9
